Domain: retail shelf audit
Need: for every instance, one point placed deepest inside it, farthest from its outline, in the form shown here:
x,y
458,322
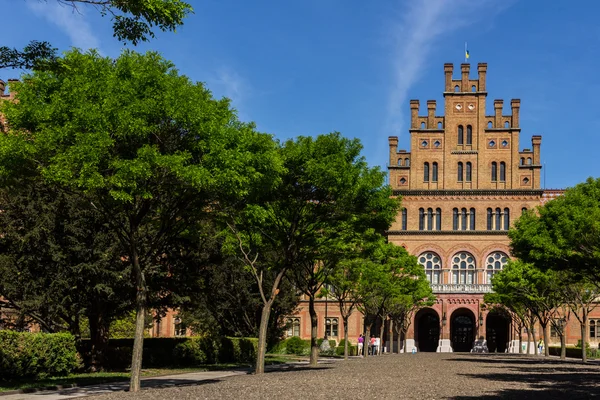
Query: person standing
x,y
541,346
377,346
361,342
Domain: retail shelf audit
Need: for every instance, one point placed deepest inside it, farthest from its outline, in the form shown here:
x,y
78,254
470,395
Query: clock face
x,y
458,107
471,107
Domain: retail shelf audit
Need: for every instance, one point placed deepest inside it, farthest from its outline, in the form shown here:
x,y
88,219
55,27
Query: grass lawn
x,y
105,377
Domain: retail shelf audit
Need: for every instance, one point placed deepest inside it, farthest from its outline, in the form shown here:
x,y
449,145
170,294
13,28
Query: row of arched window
x,y
434,172
463,219
495,171
463,268
464,171
405,162
529,161
461,135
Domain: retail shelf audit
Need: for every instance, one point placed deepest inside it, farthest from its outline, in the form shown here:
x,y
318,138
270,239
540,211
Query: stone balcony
x,y
461,288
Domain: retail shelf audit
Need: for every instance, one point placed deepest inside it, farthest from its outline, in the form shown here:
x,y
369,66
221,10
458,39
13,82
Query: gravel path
x,y
406,376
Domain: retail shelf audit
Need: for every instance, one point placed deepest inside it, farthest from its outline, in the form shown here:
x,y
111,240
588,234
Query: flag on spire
x,y
466,52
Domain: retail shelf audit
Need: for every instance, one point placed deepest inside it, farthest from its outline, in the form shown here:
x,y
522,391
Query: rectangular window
x,y
592,329
404,219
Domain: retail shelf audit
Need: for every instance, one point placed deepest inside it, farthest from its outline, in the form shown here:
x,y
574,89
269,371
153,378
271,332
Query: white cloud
x,y
230,84
414,36
70,21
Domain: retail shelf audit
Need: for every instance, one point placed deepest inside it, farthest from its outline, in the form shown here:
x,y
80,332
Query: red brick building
x,y
463,182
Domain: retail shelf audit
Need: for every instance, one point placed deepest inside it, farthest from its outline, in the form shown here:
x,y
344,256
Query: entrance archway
x,y
427,327
462,330
496,332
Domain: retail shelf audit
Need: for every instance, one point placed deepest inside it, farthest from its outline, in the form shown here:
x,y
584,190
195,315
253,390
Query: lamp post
x,y
326,324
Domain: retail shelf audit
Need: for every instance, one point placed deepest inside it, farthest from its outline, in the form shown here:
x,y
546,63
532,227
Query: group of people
x,y
374,345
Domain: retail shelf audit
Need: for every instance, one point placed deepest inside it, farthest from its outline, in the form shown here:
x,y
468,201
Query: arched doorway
x,y
427,327
496,332
462,330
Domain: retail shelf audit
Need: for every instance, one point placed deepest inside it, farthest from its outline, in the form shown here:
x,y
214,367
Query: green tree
x,y
59,263
146,147
133,21
566,233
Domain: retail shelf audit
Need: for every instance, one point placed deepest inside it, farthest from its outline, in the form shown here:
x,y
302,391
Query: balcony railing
x,y
461,288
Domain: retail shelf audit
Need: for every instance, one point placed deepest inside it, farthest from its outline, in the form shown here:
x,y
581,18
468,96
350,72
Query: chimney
x,y
515,105
498,108
430,114
465,77
393,140
414,114
481,70
448,68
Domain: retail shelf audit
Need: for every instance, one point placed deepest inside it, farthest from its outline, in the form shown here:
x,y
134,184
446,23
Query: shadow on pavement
x,y
551,382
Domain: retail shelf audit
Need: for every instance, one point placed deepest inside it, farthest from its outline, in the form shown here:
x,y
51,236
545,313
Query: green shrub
x,y
295,345
352,350
573,352
36,355
177,352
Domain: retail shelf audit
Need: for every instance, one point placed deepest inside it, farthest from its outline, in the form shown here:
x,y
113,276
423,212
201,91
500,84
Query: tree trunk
x,y
535,346
520,339
546,347
584,335
367,339
346,346
563,345
314,347
140,322
98,341
262,337
528,352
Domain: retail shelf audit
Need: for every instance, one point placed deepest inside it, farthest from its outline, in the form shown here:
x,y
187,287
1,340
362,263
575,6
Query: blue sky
x,y
316,66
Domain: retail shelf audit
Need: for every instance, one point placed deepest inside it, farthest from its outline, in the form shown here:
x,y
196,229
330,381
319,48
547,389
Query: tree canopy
x,y
133,21
148,149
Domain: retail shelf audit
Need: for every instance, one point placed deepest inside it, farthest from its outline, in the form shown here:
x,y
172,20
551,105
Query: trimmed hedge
x,y
36,355
352,350
178,352
572,352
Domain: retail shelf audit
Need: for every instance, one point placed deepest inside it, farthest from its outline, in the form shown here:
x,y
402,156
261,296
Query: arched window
x,y
429,219
469,134
494,263
463,219
498,219
331,327
523,210
456,88
594,328
400,162
404,219
460,134
455,219
468,174
407,162
421,219
422,125
522,160
426,172
490,219
439,125
472,219
434,172
473,88
292,327
460,171
506,219
494,171
463,268
433,266
506,124
490,125
529,162
438,219
502,171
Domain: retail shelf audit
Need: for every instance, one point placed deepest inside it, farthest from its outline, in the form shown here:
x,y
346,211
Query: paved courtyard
x,y
406,376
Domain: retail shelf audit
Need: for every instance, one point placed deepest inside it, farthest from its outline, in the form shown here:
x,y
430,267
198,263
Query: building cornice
x,y
463,233
470,192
